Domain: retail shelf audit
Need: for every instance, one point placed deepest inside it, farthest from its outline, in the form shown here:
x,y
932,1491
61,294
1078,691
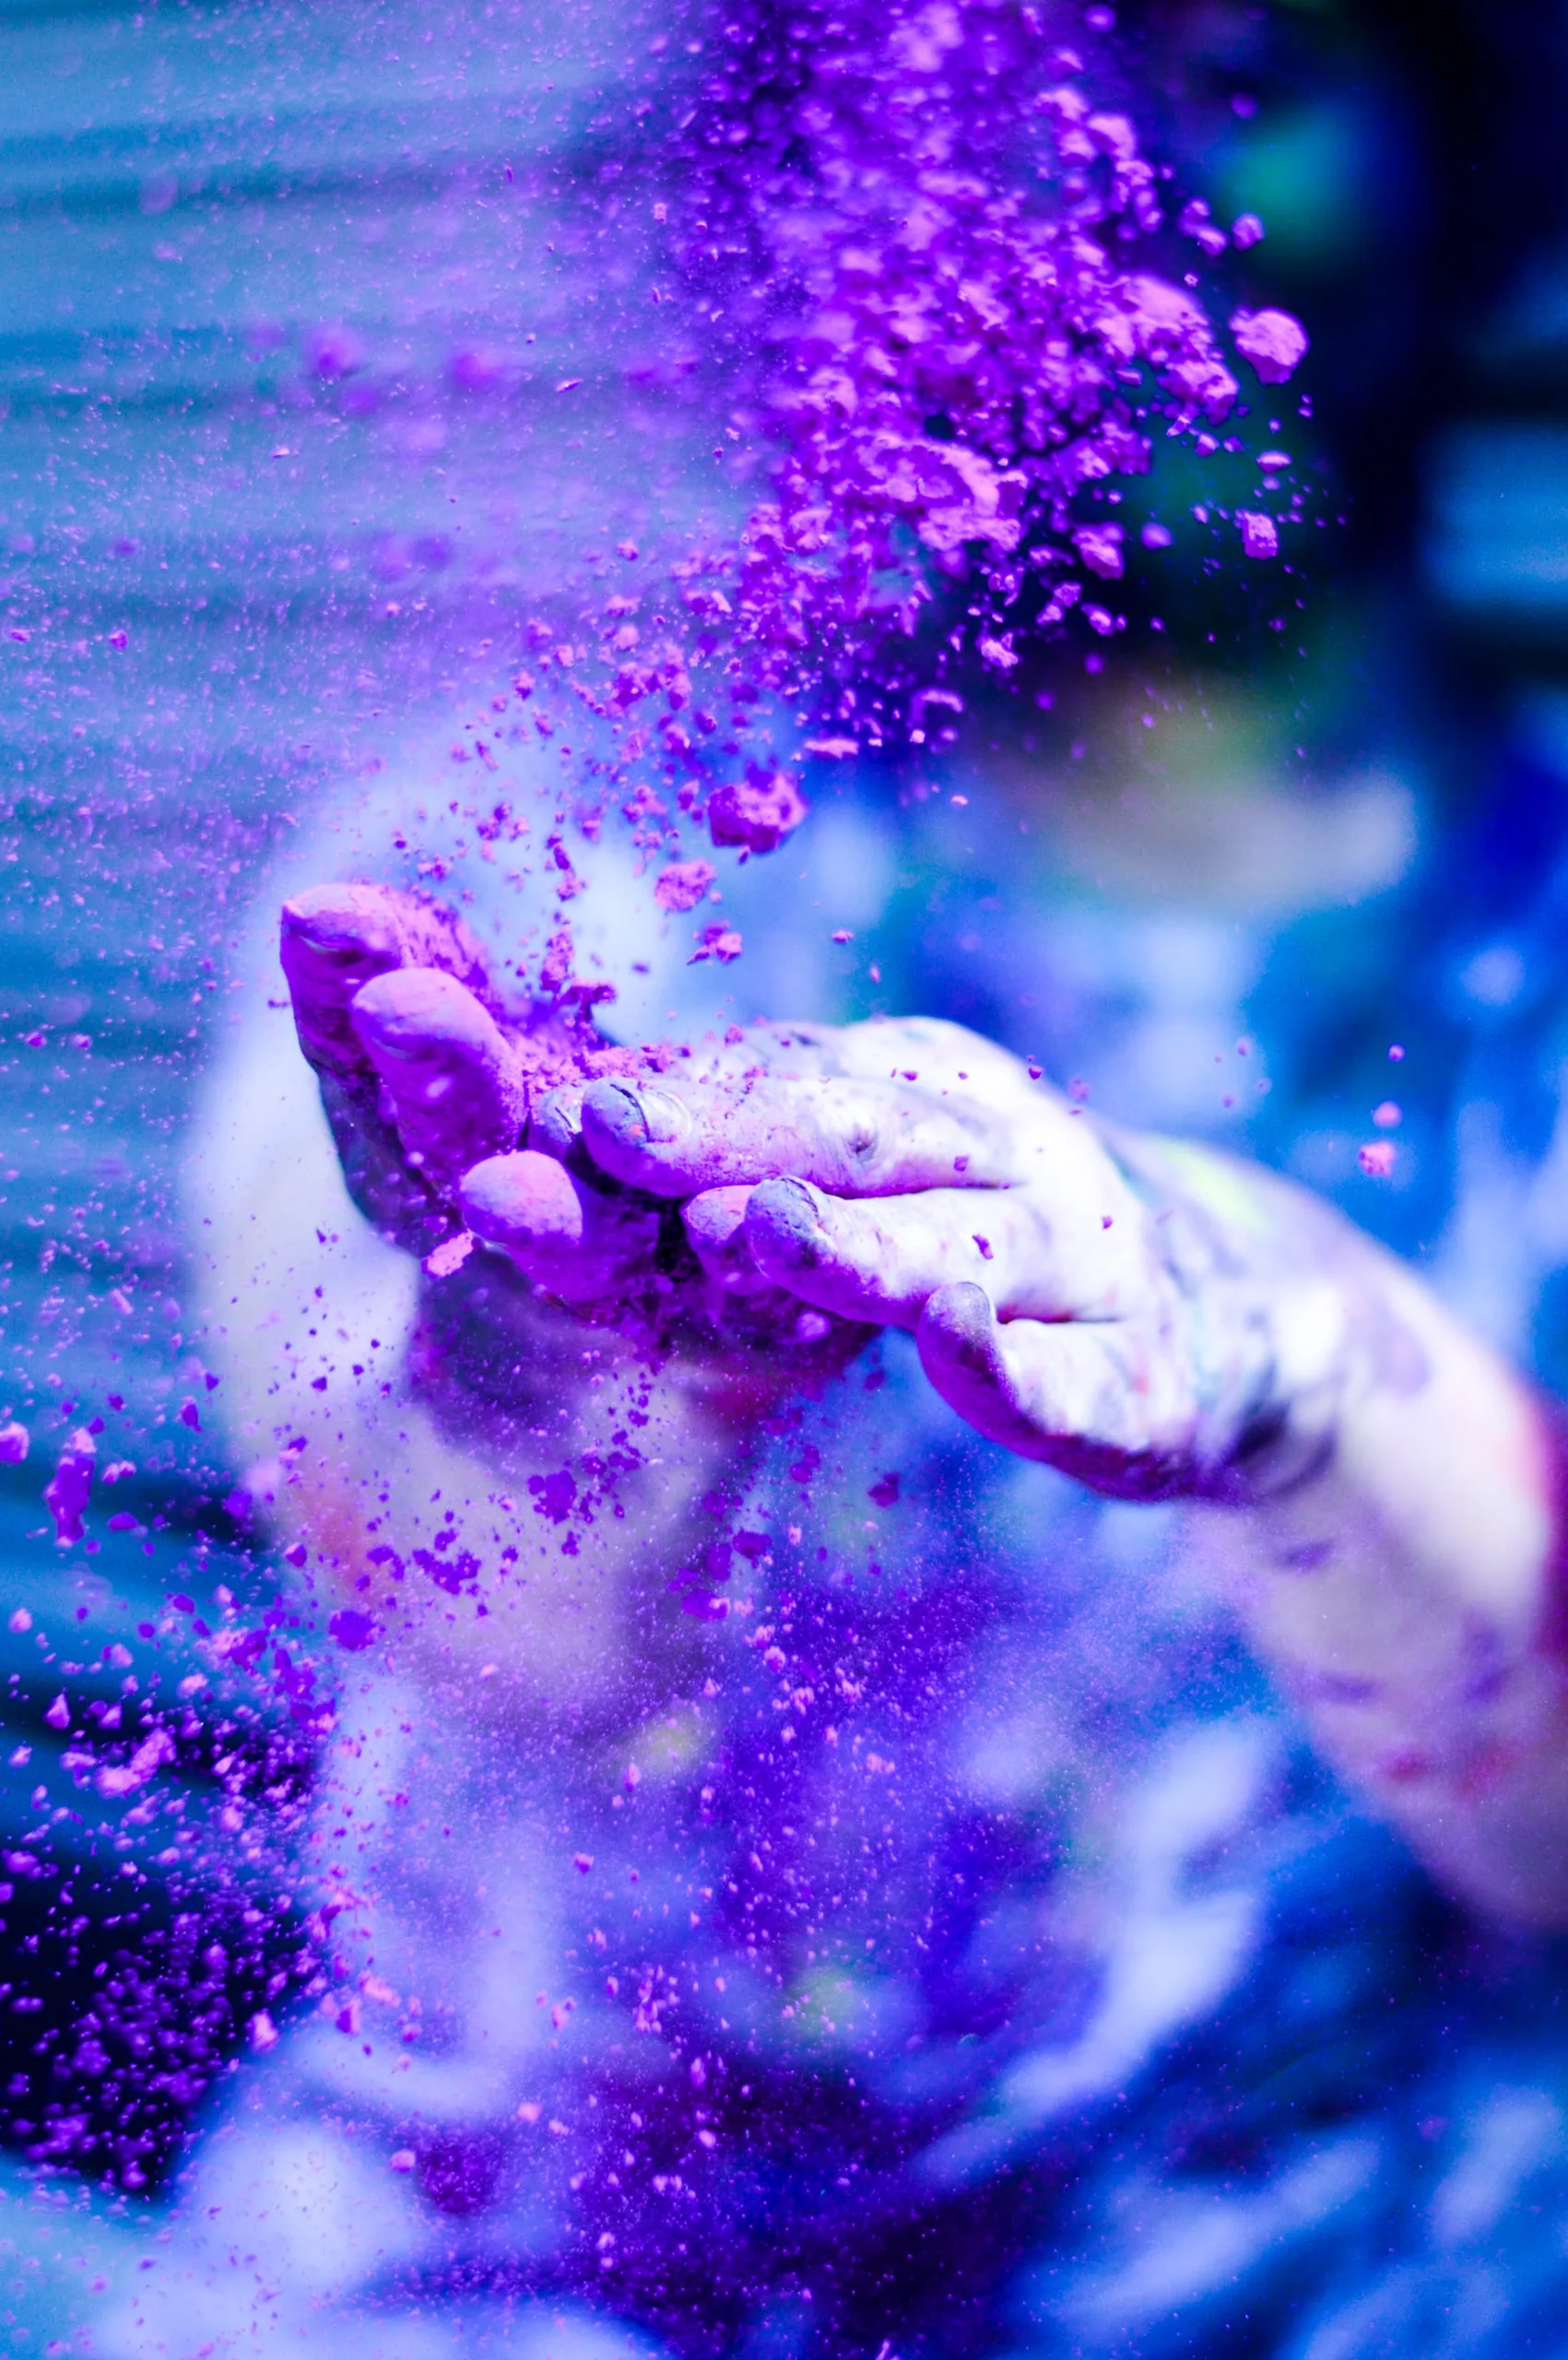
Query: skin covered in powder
x,y
425,1068
963,326
1159,1321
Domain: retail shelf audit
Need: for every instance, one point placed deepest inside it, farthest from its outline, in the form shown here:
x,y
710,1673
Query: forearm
x,y
1393,1553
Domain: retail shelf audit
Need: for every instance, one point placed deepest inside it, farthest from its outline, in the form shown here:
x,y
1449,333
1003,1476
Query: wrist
x,y
1262,1285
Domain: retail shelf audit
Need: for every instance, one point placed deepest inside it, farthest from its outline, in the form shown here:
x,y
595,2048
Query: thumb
x,y
1105,1401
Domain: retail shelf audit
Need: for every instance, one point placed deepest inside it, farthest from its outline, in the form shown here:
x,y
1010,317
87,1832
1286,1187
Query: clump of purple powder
x,y
958,334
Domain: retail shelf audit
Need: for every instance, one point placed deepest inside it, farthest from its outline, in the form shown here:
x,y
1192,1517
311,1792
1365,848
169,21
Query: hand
x,y
1150,1319
1072,1296
1157,1319
457,1115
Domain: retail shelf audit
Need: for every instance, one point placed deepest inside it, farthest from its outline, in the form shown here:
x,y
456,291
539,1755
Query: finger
x,y
676,1138
334,939
715,1228
555,1126
555,1121
880,1258
394,1199
939,1055
1105,1402
579,1242
454,1079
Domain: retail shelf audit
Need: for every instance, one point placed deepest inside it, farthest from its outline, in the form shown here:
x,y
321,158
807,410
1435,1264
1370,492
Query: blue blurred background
x,y
285,294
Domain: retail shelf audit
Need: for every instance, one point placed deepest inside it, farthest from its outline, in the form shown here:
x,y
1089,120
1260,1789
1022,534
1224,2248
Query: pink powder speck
x,y
683,885
758,811
351,1630
68,1490
722,942
1274,342
1100,546
449,1256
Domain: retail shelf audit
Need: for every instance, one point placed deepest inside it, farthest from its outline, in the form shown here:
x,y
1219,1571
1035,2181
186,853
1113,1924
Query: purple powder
x,y
758,811
1260,534
69,1488
1273,341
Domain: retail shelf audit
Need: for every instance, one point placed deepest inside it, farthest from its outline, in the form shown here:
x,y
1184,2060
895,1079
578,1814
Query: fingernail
x,y
341,917
958,1322
554,1124
785,1224
665,1119
332,938
637,1116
